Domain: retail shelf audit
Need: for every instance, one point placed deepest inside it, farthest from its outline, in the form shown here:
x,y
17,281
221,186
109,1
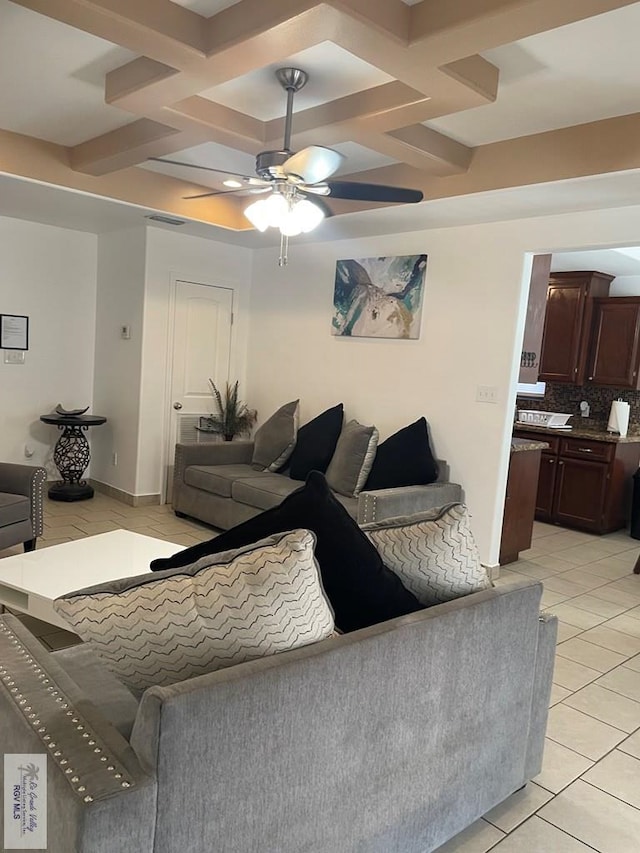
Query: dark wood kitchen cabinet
x,y
584,483
546,487
567,324
534,324
520,500
580,492
614,357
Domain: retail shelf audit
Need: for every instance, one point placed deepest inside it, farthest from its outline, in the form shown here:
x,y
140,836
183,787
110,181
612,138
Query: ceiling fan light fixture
x,y
292,216
308,215
232,183
276,207
258,214
290,225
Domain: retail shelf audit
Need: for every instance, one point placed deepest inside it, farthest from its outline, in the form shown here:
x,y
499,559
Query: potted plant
x,y
232,417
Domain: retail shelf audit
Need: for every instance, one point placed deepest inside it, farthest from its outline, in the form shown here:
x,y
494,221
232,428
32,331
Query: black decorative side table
x,y
72,455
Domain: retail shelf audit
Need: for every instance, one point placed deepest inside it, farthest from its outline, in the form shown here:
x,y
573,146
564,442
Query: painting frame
x,y
379,297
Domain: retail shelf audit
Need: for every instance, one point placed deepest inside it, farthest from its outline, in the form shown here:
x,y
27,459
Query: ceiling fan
x,y
297,183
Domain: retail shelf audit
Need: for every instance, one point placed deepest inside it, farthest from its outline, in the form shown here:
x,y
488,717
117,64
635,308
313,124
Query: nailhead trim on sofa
x,y
71,742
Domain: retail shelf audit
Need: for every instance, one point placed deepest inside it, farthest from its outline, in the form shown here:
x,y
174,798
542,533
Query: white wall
x,y
625,285
49,274
172,256
121,260
475,300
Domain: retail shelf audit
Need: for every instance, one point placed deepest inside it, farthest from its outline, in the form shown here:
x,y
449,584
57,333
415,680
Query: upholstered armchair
x,y
21,497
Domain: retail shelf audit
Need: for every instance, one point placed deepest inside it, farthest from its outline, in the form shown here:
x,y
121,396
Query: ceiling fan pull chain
x,y
283,260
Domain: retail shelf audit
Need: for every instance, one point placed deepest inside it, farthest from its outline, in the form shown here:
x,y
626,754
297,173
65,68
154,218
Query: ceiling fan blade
x,y
200,195
313,164
256,191
353,191
319,202
316,189
247,178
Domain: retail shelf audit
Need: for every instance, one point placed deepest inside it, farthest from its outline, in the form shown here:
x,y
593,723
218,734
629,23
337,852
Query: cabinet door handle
x,y
590,378
551,461
585,450
560,463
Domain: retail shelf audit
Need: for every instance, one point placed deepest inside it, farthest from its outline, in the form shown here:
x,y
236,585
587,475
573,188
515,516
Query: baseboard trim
x,y
125,497
492,571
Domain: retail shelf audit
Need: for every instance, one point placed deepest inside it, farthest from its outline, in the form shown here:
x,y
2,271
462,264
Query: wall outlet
x,y
114,458
487,394
14,356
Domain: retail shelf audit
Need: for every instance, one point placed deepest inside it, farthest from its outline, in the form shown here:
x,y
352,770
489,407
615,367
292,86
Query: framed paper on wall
x,y
379,297
14,331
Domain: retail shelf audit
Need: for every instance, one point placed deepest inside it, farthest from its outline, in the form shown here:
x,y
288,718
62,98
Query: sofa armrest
x,y
405,500
27,480
541,693
214,453
100,797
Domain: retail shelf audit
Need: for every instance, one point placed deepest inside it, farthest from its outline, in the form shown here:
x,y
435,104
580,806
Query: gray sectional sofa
x,y
215,483
392,738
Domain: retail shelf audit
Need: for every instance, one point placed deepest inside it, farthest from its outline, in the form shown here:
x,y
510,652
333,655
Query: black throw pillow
x,y
360,588
404,459
315,443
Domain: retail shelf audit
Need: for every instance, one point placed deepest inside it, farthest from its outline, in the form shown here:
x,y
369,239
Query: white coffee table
x,y
30,582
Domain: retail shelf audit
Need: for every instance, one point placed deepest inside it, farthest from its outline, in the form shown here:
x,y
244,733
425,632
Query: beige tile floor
x,y
588,795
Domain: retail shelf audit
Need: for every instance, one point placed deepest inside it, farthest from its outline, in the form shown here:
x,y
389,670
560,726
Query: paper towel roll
x,y
619,417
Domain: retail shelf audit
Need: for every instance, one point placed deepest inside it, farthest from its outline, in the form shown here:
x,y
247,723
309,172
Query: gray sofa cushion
x,y
88,671
217,479
350,504
264,491
276,438
14,508
353,458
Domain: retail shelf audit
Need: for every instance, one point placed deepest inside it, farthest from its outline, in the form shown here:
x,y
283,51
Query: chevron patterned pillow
x,y
163,627
433,553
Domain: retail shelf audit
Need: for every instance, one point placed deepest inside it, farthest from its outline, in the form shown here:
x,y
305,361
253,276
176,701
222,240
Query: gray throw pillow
x,y
433,553
164,627
276,438
353,458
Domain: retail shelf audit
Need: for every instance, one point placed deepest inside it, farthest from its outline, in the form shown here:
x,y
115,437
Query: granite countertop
x,y
520,444
593,434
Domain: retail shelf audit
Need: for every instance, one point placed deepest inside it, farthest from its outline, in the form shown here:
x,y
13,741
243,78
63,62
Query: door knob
x,y
177,406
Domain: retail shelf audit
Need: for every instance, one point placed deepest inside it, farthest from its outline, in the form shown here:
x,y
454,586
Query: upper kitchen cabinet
x,y
567,324
614,356
534,325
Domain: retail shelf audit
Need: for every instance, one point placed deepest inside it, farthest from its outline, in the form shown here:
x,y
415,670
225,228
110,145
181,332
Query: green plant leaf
x,y
233,416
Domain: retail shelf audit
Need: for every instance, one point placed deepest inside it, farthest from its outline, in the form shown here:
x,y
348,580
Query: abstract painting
x,y
379,297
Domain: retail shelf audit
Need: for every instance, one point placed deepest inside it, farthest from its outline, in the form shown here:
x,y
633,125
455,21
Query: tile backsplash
x,y
562,397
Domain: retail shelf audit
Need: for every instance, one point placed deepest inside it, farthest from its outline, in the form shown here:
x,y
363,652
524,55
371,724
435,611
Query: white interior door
x,y
202,320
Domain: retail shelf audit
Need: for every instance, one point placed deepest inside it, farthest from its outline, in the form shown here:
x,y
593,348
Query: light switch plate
x,y
14,356
487,394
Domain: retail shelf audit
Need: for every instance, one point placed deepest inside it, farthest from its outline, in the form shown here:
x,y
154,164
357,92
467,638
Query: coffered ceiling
x,y
454,98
